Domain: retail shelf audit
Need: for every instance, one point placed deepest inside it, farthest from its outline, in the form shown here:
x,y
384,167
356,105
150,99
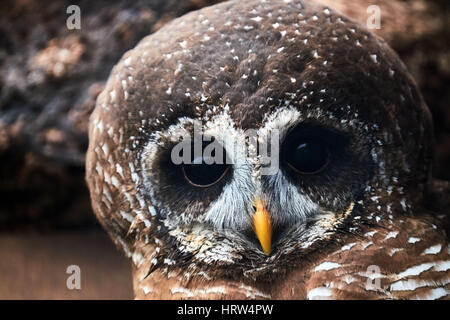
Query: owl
x,y
344,212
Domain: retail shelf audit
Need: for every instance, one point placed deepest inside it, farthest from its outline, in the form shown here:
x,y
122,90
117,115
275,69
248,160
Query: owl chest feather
x,y
409,259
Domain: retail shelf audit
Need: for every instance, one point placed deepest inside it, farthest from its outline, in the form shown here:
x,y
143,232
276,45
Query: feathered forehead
x,y
253,57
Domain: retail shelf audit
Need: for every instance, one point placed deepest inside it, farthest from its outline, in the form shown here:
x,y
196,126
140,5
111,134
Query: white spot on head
x,y
433,249
413,240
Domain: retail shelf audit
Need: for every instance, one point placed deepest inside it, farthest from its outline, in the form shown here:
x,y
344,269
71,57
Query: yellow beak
x,y
262,226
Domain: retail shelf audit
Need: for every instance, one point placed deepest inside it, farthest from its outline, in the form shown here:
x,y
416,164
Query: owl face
x,y
330,102
314,158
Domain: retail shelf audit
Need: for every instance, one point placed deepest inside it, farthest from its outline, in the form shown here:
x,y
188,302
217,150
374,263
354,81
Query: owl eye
x,y
203,175
204,171
306,154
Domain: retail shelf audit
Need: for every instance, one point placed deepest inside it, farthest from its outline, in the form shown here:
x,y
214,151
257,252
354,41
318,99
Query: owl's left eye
x,y
307,155
307,150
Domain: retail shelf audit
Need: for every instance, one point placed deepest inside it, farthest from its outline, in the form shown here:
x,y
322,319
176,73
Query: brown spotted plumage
x,y
364,226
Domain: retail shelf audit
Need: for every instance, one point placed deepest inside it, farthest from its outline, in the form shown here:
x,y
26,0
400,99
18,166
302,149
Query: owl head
x,y
346,131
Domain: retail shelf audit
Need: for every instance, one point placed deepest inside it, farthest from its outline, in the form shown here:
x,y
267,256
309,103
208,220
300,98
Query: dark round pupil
x,y
307,155
203,172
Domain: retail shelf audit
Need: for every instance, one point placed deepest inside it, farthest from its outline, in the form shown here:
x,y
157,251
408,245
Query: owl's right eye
x,y
206,169
201,174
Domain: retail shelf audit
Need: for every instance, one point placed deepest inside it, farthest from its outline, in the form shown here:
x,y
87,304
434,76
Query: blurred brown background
x,y
49,79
